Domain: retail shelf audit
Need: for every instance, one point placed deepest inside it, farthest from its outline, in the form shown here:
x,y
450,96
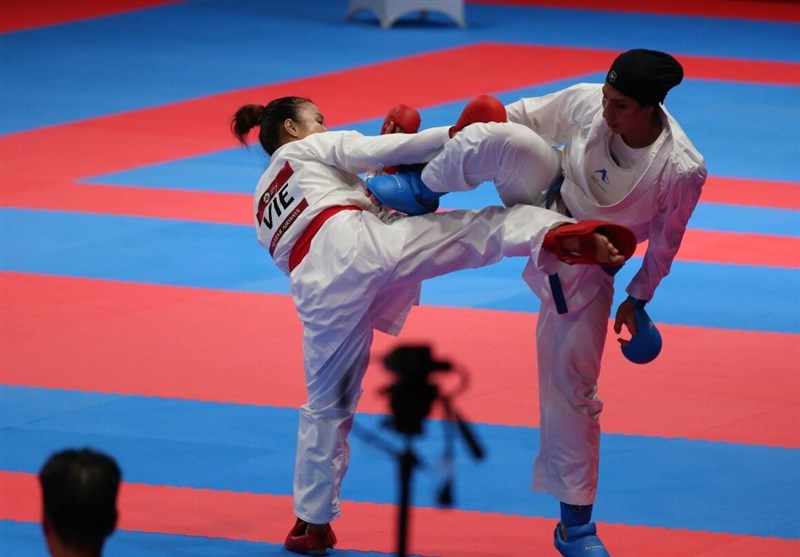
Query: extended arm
x,y
356,153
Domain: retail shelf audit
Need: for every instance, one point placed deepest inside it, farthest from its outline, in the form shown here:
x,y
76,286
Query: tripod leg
x,y
407,463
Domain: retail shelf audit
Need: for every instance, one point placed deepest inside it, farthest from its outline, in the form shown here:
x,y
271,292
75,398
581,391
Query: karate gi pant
x,y
569,349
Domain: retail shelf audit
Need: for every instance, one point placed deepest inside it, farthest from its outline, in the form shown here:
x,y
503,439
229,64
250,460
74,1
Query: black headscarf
x,y
645,75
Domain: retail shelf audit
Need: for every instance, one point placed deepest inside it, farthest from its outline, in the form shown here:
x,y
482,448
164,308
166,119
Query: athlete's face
x,y
624,115
309,120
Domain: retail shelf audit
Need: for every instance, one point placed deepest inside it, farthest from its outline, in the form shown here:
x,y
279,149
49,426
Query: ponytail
x,y
269,118
245,119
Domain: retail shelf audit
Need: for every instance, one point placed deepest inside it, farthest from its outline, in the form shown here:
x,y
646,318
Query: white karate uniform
x,y
363,272
654,196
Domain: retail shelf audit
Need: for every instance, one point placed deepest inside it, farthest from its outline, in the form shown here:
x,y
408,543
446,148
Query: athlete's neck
x,y
646,134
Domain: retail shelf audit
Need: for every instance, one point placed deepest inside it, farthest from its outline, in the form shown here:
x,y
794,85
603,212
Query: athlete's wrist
x,y
637,302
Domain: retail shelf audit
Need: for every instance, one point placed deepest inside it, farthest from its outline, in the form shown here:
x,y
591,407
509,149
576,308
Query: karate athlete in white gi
x,y
362,271
623,158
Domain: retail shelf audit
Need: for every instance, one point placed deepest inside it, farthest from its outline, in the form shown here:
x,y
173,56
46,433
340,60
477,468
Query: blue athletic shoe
x,y
582,541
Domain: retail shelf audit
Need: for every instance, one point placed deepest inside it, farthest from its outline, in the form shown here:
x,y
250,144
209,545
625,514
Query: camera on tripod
x,y
413,395
411,400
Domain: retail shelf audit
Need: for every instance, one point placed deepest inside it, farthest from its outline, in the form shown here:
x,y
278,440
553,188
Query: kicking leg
x,y
521,164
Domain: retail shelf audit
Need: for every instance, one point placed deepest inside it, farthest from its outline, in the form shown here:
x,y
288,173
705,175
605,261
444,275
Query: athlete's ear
x,y
290,128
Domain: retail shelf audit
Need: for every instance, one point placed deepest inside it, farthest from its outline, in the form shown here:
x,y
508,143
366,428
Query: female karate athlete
x,y
607,151
355,267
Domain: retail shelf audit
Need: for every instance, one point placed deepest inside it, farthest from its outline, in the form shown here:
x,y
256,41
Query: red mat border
x,y
38,177
777,11
371,527
19,15
22,16
65,333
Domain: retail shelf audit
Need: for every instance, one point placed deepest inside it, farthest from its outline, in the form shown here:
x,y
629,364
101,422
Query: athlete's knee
x,y
519,140
339,409
495,134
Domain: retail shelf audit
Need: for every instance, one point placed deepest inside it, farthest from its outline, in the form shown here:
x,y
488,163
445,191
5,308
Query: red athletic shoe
x,y
309,542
